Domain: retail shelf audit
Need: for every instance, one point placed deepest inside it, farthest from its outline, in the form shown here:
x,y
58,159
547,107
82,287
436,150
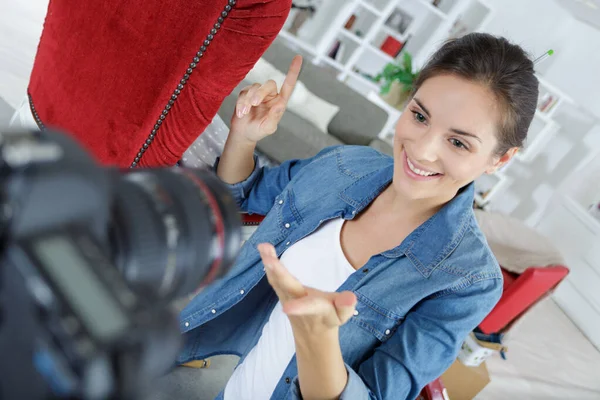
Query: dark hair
x,y
503,67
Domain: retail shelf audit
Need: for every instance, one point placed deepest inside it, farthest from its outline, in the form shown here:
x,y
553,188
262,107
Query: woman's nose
x,y
426,147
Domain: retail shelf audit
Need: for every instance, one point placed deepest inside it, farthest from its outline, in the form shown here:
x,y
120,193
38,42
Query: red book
x,y
391,46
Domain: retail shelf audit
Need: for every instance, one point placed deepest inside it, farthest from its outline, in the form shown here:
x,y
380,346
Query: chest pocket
x,y
375,319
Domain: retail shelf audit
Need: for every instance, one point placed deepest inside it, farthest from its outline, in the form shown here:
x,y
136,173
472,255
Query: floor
x,y
197,384
548,357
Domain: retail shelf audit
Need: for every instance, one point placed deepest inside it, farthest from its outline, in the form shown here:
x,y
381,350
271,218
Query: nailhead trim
x,y
38,121
180,86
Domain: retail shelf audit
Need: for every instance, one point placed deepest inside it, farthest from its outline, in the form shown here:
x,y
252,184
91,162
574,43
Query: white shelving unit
x,y
542,130
362,26
387,133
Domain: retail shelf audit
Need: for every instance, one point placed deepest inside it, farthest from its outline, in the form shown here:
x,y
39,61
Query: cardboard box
x,y
473,351
464,383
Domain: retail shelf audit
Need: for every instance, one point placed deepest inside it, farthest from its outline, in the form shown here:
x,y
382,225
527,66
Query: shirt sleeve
x,y
423,347
256,194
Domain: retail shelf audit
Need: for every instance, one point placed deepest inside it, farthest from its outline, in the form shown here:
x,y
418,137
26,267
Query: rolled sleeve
x,y
256,194
241,189
355,388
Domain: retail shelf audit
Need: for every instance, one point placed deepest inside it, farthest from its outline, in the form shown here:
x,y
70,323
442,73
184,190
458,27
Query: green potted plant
x,y
397,80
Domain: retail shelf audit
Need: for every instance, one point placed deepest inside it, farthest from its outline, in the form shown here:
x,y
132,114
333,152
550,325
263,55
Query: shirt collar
x,y
431,242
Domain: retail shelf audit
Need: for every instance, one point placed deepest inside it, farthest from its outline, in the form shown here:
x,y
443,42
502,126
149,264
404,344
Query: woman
x,y
376,269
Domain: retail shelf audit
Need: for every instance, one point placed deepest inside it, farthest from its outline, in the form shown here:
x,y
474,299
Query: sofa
x,y
357,122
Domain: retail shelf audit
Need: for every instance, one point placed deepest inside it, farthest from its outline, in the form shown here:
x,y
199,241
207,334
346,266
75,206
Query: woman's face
x,y
446,138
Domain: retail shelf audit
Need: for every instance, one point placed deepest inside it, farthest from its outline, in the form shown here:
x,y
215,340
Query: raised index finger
x,y
290,79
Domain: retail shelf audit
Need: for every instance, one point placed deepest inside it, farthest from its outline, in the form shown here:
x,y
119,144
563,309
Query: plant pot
x,y
397,96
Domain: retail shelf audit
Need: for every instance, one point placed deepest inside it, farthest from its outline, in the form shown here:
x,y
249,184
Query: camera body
x,y
91,259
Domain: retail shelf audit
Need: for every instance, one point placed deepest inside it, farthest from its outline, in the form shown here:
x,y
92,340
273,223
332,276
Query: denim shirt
x,y
416,302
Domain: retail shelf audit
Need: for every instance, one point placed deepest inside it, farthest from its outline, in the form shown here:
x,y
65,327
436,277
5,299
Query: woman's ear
x,y
500,162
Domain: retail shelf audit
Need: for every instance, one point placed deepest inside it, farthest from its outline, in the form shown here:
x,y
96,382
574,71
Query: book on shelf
x,y
392,46
348,25
337,51
547,102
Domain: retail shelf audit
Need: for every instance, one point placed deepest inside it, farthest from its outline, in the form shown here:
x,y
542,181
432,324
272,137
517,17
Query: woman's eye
x,y
457,143
419,117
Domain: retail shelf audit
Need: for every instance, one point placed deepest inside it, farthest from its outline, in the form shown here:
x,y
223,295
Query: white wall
x,y
539,25
21,24
536,25
577,72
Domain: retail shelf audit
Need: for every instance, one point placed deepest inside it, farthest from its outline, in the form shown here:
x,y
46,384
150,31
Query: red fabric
x,y
528,288
105,69
433,391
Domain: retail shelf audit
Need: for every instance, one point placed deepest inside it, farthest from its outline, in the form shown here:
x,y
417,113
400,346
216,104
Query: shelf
x,y
488,186
536,139
377,4
371,8
393,114
351,36
298,42
555,90
345,48
361,19
445,6
470,20
582,214
397,35
380,53
360,83
339,67
434,9
543,116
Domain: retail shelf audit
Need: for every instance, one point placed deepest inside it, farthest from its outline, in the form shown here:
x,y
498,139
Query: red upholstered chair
x,y
137,81
520,293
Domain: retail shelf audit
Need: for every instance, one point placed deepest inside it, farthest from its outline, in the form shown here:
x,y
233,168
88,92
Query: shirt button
x,y
242,291
288,243
213,311
355,312
287,225
280,202
287,379
387,331
187,324
354,212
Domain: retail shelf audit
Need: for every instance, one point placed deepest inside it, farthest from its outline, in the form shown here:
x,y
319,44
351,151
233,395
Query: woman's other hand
x,y
259,108
311,312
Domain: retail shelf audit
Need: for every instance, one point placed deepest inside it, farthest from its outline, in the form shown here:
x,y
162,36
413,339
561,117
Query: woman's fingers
x,y
333,308
291,78
264,93
270,122
243,103
310,305
285,284
345,304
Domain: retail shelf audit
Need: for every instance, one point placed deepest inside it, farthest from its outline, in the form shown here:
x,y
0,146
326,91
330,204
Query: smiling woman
x,y
369,271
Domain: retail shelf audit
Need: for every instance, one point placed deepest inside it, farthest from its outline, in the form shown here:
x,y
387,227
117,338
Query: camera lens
x,y
174,230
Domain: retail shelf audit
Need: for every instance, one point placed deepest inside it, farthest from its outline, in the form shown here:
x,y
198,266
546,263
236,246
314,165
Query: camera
x,y
91,261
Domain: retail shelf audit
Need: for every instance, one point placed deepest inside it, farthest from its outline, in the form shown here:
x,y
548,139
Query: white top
x,y
318,262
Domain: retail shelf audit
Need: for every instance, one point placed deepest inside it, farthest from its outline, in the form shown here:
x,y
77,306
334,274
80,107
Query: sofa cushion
x,y
359,121
295,136
303,102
